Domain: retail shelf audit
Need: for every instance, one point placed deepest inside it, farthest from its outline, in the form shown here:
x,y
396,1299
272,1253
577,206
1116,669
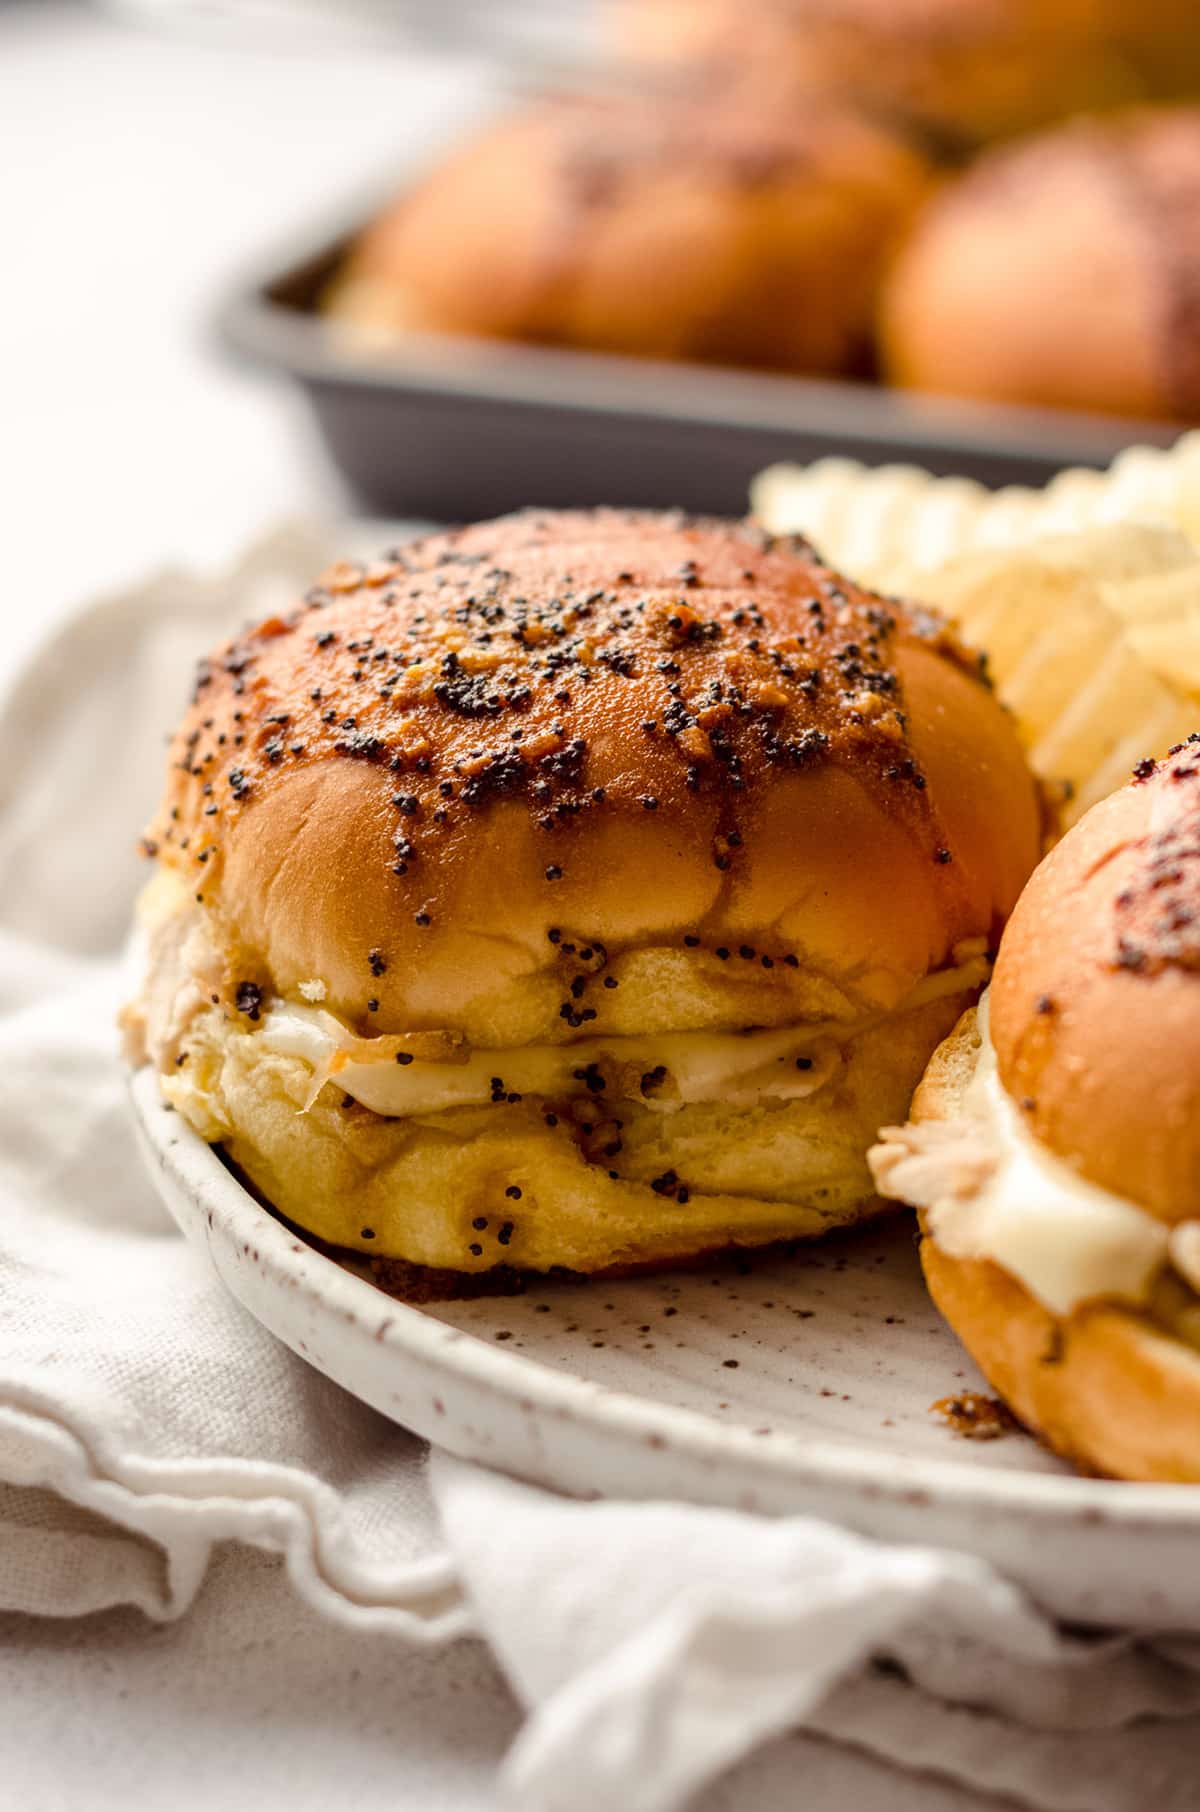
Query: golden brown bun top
x,y
1064,270
706,220
612,730
972,69
1095,1002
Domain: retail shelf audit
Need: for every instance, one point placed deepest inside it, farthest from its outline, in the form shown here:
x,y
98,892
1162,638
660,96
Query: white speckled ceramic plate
x,y
787,1385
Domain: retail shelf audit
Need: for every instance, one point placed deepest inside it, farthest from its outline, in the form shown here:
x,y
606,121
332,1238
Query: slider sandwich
x,y
575,890
1054,1145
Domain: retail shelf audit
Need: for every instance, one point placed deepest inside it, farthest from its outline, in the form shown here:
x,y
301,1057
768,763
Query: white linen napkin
x,y
144,1416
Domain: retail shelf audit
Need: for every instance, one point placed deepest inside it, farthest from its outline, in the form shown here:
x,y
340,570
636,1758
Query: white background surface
x,y
137,174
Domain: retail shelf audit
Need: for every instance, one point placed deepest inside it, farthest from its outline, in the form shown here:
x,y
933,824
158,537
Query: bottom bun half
x,y
536,1184
1108,1389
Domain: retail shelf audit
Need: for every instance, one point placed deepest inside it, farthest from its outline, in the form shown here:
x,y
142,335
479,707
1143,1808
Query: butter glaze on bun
x,y
558,782
1092,1036
1062,271
713,222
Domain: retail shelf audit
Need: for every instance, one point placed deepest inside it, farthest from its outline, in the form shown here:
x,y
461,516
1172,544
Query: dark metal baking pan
x,y
456,427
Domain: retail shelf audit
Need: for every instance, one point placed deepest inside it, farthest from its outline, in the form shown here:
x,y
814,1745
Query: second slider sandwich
x,y
1055,1142
575,890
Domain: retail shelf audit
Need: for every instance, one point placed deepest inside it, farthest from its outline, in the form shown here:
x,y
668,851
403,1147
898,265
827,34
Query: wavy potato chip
x,y
1161,616
1086,596
887,523
1087,699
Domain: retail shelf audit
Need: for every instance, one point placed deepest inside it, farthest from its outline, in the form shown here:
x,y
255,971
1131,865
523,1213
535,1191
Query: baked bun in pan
x,y
575,890
1054,1144
965,70
719,222
1061,271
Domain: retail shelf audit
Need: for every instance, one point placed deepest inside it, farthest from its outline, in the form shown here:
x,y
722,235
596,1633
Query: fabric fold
x,y
670,1640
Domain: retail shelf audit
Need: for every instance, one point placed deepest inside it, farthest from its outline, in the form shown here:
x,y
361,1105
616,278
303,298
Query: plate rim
x,y
526,1382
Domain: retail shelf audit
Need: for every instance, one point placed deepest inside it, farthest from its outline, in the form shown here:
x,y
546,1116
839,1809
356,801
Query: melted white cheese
x,y
733,1067
1064,1238
737,1068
